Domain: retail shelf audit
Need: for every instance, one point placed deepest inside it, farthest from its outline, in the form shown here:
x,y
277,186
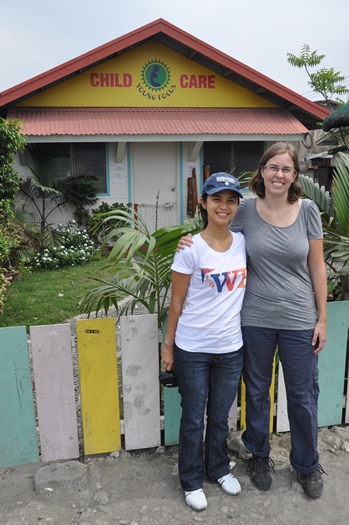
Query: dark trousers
x,y
206,381
300,368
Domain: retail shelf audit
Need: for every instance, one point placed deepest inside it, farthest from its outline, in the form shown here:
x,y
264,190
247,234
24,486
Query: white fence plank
x,y
140,370
55,396
233,415
282,424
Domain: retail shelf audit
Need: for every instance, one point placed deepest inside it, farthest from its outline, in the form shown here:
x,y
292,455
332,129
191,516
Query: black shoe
x,y
258,468
312,483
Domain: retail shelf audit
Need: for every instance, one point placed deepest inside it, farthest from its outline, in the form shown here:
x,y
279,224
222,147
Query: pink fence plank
x,y
55,395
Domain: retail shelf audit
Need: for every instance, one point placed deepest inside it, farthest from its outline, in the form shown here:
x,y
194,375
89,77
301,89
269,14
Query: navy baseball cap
x,y
221,181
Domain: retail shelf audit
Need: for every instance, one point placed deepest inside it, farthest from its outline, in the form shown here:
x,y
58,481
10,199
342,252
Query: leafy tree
x,y
326,82
11,141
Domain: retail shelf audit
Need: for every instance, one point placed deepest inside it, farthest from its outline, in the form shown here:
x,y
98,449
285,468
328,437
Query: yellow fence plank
x,y
272,397
96,341
243,406
243,402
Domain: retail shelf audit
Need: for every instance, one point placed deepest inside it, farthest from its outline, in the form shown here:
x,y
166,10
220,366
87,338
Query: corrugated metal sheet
x,y
148,121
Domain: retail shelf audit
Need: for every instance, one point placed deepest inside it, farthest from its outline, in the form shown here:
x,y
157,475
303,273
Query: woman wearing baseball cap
x,y
203,340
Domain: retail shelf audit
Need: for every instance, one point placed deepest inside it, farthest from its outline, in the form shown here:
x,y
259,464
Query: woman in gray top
x,y
284,307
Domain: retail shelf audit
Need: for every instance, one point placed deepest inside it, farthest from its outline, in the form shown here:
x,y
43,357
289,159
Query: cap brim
x,y
216,190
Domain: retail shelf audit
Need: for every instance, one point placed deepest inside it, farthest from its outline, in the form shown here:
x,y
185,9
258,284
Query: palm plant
x,y
47,193
142,264
80,192
334,211
41,190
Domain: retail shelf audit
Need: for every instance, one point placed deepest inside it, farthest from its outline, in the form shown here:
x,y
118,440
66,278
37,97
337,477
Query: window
x,y
77,159
236,157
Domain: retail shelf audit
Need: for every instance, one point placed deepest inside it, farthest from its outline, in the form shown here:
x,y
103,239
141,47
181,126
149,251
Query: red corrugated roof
x,y
149,121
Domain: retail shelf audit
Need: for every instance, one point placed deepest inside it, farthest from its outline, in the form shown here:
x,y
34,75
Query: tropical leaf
x,y
340,193
312,190
334,211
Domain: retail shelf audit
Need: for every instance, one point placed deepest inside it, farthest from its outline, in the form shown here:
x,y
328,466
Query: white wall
x,y
152,167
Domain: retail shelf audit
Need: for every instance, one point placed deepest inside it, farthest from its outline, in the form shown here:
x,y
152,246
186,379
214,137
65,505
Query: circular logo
x,y
156,75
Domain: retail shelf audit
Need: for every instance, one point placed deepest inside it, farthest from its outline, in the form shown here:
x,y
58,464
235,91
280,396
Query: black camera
x,y
168,378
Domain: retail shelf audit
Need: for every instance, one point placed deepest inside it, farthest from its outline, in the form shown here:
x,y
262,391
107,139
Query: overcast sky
x,y
38,35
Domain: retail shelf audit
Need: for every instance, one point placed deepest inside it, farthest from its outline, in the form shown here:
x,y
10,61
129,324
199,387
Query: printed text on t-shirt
x,y
231,279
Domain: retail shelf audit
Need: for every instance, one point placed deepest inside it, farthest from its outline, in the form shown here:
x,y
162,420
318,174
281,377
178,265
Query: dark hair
x,y
257,183
203,210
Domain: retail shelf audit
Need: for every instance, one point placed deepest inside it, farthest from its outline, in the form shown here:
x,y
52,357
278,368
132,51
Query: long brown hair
x,y
257,183
203,210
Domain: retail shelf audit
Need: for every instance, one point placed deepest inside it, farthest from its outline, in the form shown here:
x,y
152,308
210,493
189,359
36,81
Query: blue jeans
x,y
300,368
211,379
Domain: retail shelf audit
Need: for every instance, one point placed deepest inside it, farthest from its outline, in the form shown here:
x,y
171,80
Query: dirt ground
x,y
142,487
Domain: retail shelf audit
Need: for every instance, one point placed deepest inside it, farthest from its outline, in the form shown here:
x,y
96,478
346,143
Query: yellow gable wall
x,y
149,76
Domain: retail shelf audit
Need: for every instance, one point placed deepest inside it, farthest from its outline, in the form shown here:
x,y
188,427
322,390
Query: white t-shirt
x,y
210,319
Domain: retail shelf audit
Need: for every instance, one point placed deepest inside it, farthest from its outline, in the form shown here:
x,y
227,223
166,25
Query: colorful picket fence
x,y
38,410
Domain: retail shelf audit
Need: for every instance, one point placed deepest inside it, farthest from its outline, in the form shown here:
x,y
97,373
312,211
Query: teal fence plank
x,y
173,412
332,365
172,409
18,439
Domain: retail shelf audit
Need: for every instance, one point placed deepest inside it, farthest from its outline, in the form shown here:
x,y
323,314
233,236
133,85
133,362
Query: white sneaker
x,y
229,484
196,499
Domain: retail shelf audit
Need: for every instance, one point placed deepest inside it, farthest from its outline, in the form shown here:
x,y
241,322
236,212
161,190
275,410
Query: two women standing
x,y
284,308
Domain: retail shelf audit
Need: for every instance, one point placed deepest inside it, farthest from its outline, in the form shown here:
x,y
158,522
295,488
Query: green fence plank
x,y
332,365
172,409
18,439
173,412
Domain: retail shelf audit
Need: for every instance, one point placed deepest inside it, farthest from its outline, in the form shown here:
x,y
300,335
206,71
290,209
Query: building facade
x,y
147,111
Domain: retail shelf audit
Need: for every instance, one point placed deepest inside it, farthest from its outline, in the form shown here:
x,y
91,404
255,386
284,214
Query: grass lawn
x,y
50,296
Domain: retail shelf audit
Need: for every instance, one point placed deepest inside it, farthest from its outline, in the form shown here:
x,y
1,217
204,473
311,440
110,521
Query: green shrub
x,y
76,249
4,283
94,220
11,141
